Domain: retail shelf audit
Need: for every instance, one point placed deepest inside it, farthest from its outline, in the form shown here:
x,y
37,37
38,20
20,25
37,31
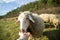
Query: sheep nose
x,y
23,30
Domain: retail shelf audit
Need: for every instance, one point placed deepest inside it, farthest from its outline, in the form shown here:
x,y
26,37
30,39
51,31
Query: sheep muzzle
x,y
22,30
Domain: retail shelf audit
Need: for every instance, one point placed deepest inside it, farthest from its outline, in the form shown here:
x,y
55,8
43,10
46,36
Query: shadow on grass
x,y
53,34
49,25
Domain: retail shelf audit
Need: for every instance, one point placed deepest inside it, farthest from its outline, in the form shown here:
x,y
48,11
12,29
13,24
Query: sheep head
x,y
25,18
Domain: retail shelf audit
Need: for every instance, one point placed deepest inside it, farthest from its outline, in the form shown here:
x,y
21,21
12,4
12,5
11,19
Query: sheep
x,y
23,36
31,23
55,22
50,18
45,17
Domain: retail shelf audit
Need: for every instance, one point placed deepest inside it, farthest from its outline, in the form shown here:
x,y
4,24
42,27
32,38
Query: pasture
x,y
9,30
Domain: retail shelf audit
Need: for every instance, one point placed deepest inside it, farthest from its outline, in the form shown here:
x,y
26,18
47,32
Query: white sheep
x,y
45,17
31,23
55,22
50,18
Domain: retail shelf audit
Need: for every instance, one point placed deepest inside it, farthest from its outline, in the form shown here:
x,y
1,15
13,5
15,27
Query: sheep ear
x,y
30,18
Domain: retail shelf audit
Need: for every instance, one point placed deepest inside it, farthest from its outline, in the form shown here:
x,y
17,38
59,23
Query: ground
x,y
9,30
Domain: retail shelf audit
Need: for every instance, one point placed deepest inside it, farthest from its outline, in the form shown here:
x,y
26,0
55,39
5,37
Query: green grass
x,y
9,31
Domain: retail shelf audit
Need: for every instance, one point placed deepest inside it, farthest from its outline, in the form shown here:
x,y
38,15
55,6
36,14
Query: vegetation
x,y
9,29
36,6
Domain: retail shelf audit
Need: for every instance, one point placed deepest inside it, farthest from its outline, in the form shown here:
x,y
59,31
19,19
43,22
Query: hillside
x,y
41,6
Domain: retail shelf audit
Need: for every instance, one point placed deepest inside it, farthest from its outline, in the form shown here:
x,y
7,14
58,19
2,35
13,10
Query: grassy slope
x,y
9,30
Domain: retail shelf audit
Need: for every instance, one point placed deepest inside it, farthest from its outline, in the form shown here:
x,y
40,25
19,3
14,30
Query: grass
x,y
9,31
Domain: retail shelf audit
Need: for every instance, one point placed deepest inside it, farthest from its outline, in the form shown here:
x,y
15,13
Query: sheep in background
x,y
50,18
45,17
31,23
55,22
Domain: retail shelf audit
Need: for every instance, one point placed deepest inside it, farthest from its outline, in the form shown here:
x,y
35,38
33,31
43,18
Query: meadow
x,y
9,30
